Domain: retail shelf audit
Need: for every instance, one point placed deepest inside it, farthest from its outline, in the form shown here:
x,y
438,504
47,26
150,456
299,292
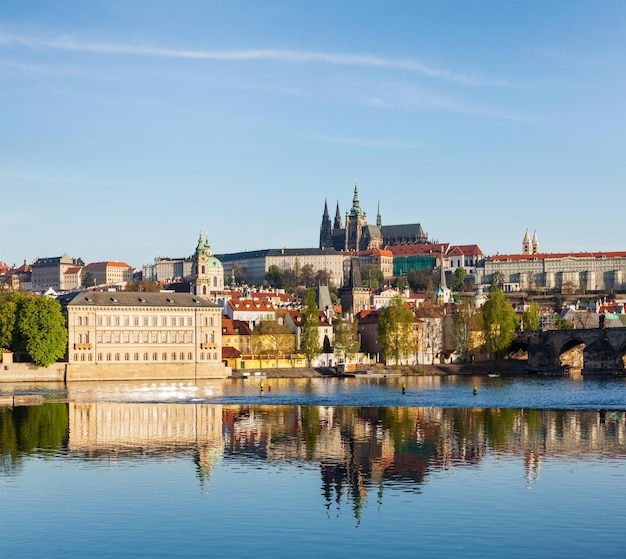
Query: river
x,y
394,466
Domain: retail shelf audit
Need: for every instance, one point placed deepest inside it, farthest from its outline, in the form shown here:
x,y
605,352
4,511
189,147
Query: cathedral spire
x,y
379,219
526,248
337,225
356,207
535,245
326,234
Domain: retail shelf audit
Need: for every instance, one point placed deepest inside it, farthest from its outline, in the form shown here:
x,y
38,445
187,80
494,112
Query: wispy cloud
x,y
68,43
51,179
408,97
565,57
383,143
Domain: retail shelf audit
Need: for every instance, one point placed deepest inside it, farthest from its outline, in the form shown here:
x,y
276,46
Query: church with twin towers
x,y
355,234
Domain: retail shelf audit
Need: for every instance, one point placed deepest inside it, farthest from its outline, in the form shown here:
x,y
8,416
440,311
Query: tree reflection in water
x,y
358,449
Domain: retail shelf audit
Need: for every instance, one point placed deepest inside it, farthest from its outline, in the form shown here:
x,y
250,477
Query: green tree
x,y
531,319
8,319
346,338
372,277
400,283
307,276
563,324
499,322
88,279
420,281
462,321
145,285
271,338
459,278
395,330
309,325
326,347
275,277
41,329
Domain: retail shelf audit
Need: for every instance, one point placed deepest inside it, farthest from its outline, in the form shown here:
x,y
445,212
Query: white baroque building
x,y
139,336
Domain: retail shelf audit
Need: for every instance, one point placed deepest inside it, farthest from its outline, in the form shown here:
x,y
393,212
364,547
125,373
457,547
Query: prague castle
x,y
358,235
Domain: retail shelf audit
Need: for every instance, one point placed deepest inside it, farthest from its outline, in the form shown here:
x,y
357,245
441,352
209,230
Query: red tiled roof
x,y
107,264
232,327
230,352
250,305
554,256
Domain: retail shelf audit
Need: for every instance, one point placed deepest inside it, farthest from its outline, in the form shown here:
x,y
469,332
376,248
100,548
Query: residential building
x,y
138,335
49,272
565,272
236,334
72,278
255,264
425,257
251,311
293,320
107,273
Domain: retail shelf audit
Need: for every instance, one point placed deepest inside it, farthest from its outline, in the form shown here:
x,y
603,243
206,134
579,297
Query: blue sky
x,y
128,127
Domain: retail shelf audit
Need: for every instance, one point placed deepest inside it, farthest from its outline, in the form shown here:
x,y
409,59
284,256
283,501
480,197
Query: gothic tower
x,y
337,224
326,233
535,246
354,297
526,248
356,221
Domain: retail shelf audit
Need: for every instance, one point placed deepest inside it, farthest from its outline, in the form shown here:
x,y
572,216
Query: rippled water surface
x,y
317,468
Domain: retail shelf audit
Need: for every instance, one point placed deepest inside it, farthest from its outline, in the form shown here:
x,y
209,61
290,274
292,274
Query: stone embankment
x,y
506,366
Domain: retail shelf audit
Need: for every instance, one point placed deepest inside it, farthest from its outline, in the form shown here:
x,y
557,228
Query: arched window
x,y
215,281
203,269
211,321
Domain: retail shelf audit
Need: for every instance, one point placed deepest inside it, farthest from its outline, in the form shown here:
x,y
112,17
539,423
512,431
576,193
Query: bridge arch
x,y
571,355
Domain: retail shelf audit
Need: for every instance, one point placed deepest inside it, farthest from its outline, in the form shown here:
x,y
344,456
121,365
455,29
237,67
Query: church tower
x,y
354,297
356,221
337,224
379,219
208,273
326,232
526,247
535,245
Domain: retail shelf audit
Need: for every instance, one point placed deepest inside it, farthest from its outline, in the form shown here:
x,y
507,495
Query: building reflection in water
x,y
135,430
359,450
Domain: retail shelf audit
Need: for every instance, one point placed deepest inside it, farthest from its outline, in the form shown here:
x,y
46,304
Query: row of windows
x,y
145,337
145,321
146,356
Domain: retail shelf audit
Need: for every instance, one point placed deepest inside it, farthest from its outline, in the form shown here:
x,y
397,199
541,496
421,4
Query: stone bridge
x,y
593,351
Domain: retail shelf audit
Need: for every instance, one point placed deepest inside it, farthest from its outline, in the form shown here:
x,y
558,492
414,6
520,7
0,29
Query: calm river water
x,y
526,466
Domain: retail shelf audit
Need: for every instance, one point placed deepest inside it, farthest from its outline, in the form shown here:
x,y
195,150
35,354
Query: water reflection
x,y
359,450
